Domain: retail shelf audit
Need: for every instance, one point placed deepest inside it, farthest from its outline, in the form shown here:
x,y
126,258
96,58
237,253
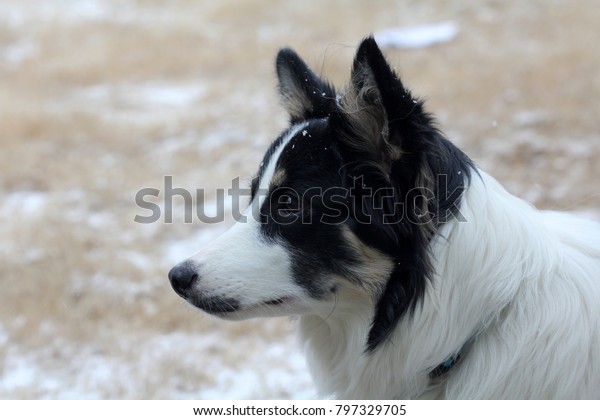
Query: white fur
x,y
522,285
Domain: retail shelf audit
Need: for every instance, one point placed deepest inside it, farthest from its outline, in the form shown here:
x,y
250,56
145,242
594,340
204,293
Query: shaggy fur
x,y
414,274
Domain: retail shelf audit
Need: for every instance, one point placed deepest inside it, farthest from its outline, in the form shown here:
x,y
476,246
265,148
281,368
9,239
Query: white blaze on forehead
x,y
265,179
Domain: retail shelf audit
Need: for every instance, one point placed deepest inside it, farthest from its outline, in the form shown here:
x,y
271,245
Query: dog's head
x,y
344,203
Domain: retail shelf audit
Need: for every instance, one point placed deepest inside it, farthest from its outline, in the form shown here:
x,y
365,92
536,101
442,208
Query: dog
x,y
412,272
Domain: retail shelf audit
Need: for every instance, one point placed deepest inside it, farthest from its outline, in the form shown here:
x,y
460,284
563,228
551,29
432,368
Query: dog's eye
x,y
288,204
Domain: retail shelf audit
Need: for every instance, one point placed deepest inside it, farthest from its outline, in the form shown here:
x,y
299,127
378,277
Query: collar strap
x,y
443,368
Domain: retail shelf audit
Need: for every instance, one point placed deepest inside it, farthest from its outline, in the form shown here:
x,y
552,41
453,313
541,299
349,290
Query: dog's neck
x,y
335,347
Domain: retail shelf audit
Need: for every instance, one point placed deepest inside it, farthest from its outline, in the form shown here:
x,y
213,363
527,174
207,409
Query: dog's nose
x,y
182,276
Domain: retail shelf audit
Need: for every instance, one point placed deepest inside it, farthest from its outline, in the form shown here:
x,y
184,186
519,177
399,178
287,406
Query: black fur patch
x,y
373,162
312,230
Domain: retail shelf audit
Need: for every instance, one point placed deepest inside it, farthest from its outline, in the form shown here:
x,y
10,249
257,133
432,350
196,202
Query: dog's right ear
x,y
304,94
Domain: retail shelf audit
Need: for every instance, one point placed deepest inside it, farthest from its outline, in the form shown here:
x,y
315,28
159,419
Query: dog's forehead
x,y
303,149
297,143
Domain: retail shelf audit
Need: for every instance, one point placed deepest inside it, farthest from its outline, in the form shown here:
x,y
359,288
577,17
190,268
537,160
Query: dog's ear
x,y
386,129
384,115
304,94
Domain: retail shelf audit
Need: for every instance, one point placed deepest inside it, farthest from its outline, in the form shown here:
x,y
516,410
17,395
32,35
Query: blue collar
x,y
443,368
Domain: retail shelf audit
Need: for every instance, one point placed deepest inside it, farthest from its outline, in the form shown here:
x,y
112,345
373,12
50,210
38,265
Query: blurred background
x,y
101,98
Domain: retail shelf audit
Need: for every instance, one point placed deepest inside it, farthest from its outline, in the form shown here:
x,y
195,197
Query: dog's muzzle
x,y
183,278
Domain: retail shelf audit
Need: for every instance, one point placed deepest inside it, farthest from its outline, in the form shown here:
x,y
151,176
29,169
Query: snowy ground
x,y
100,99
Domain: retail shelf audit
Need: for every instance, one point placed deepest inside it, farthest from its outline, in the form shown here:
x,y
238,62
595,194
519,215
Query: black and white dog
x,y
414,274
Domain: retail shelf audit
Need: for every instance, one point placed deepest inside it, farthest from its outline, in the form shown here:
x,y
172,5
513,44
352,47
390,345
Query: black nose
x,y
182,276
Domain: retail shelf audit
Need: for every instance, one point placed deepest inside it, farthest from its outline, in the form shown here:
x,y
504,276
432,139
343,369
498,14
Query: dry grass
x,y
518,89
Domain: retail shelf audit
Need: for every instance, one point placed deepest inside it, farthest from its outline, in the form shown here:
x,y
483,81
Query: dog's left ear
x,y
389,129
386,119
304,94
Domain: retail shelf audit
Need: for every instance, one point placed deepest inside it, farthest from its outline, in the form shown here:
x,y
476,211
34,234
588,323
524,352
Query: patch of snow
x,y
75,10
168,95
99,283
417,36
237,385
100,220
142,104
70,11
529,118
84,377
19,51
18,321
34,254
171,145
77,205
137,259
88,10
165,363
579,149
278,371
29,203
222,134
144,96
19,372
